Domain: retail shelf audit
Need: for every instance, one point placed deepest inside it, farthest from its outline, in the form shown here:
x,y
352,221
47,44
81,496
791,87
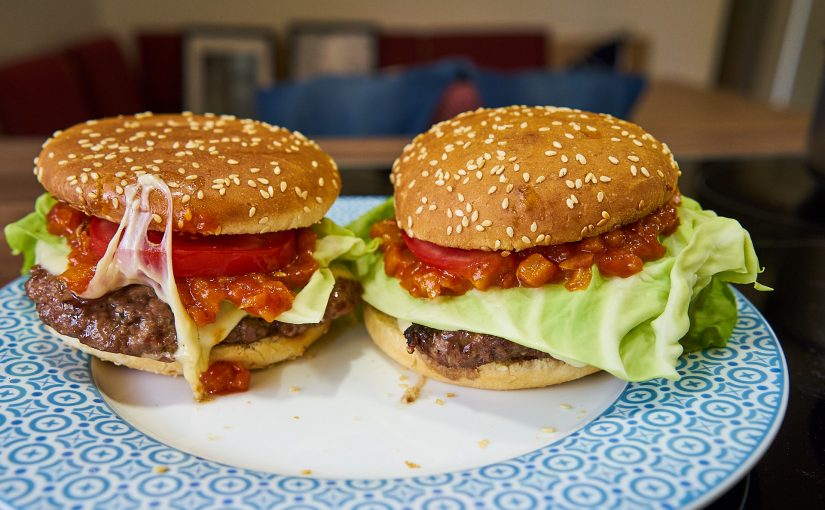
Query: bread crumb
x,y
294,389
439,402
411,464
411,394
306,472
451,395
296,417
403,378
160,469
565,406
484,443
548,430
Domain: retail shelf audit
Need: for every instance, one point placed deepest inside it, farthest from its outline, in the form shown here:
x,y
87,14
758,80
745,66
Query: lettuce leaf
x,y
24,234
630,327
336,246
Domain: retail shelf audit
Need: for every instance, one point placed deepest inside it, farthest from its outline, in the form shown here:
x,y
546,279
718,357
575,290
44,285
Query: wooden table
x,y
695,123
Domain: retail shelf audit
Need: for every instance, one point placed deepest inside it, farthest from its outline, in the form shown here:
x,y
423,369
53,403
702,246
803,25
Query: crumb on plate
x,y
411,394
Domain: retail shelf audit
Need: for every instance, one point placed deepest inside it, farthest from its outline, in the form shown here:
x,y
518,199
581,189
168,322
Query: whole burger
x,y
529,246
186,244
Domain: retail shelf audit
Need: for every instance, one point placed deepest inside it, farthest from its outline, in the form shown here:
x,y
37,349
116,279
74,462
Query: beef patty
x,y
133,321
462,350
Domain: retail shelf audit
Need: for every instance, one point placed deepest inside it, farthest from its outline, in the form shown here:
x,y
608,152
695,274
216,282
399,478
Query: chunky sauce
x,y
620,252
265,295
224,377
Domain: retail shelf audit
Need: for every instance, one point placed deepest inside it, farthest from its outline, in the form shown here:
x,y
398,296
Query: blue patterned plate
x,y
662,444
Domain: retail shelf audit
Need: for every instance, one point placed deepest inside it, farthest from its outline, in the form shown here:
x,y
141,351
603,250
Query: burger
x,y
529,246
186,244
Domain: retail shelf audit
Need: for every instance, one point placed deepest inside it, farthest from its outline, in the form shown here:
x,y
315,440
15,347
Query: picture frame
x,y
223,69
339,49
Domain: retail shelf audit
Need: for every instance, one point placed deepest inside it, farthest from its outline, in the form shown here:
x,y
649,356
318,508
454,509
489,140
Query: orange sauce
x,y
224,377
618,253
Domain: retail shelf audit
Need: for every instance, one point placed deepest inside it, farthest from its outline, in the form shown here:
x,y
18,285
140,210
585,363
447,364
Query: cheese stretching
x,y
122,265
186,244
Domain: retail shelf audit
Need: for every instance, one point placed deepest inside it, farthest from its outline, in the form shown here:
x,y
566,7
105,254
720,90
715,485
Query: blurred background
x,y
733,86
323,66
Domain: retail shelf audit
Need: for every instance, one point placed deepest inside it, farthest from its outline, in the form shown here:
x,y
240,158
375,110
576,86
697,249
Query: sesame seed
x,y
510,231
526,176
540,179
568,135
570,184
605,178
557,144
232,161
562,172
550,153
156,218
613,159
605,215
505,203
480,228
633,170
600,196
474,216
569,203
581,159
491,190
525,239
534,227
564,158
645,172
637,142
283,186
633,158
252,211
486,223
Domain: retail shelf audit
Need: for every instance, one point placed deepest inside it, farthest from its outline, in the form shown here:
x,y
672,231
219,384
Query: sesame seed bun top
x,y
517,177
225,175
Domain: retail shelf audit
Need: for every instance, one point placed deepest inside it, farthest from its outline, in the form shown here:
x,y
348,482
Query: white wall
x,y
685,35
30,27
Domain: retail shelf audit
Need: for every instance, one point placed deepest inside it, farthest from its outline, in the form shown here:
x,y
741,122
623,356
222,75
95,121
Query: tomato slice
x,y
449,259
217,255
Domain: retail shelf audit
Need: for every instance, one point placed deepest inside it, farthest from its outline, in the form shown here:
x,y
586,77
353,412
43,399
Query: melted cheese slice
x,y
123,265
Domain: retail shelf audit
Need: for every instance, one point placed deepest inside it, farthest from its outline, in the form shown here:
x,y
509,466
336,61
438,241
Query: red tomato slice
x,y
220,255
449,259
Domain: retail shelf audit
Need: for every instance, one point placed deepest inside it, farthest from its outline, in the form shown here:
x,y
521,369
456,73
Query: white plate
x,y
666,444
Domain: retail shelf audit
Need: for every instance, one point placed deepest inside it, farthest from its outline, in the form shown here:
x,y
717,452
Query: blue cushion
x,y
400,103
597,91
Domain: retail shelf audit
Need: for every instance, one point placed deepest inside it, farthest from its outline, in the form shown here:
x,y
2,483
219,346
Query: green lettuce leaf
x,y
335,249
630,327
24,234
712,317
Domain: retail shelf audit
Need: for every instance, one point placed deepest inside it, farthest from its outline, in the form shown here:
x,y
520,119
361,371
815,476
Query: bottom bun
x,y
259,354
535,373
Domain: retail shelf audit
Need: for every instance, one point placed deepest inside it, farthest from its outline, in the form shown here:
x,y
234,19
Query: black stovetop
x,y
782,203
